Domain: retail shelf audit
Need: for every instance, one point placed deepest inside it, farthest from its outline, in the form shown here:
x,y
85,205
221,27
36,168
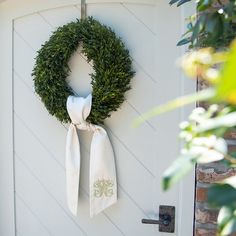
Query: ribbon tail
x,y
72,164
103,184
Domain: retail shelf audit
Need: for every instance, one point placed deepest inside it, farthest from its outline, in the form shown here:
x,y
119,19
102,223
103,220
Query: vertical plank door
x,y
32,171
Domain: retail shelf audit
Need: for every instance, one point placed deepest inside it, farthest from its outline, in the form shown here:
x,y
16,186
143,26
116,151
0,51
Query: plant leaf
x,y
226,121
211,23
174,104
183,41
230,227
179,168
231,181
224,216
222,195
182,2
203,5
173,1
226,88
190,25
198,27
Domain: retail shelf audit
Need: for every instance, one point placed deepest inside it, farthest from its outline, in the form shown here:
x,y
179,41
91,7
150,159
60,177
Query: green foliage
x,y
224,220
179,168
203,133
214,122
223,195
174,104
200,145
111,63
226,88
213,26
179,2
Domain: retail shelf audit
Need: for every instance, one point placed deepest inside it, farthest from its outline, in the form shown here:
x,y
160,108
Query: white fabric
x,y
103,185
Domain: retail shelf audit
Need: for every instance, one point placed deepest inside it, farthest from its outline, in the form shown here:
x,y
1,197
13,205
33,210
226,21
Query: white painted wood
x,y
107,1
39,140
7,214
37,227
186,196
26,7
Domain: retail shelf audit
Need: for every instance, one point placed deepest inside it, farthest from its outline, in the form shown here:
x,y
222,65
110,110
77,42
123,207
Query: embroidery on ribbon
x,y
103,188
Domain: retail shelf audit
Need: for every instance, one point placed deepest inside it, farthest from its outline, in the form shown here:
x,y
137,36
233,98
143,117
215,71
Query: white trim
x,y
146,2
7,208
26,7
186,196
106,1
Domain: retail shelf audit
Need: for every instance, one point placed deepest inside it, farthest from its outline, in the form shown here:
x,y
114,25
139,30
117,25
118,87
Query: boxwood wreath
x,y
111,63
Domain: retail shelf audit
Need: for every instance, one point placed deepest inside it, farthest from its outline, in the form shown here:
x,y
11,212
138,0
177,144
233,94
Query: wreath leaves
x,y
111,63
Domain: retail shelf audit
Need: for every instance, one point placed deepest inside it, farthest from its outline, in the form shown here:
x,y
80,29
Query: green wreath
x,y
111,63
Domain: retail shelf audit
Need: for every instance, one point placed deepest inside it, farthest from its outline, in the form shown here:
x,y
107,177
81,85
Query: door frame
x,y
8,13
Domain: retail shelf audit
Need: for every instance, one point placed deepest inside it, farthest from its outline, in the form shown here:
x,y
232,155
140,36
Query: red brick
x,y
201,194
205,232
230,134
231,148
206,216
209,175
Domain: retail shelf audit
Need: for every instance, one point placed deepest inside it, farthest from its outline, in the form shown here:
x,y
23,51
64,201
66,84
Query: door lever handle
x,y
149,221
166,220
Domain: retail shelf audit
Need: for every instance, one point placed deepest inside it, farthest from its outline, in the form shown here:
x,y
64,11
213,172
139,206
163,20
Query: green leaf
x,y
174,104
230,227
226,121
224,216
182,2
177,171
211,24
231,181
190,25
222,195
173,1
226,88
199,26
183,41
203,5
208,149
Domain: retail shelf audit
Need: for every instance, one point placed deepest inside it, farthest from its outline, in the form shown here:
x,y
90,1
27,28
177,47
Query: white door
x,y
32,173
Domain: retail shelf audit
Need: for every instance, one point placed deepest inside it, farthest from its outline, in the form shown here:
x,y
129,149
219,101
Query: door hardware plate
x,y
167,210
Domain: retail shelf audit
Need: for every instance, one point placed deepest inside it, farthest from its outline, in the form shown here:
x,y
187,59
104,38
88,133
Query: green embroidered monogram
x,y
103,188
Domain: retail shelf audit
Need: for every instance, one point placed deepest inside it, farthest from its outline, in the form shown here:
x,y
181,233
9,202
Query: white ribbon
x,y
103,185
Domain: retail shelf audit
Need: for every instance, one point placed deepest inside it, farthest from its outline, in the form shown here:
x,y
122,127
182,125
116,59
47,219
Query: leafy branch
x,y
203,133
214,25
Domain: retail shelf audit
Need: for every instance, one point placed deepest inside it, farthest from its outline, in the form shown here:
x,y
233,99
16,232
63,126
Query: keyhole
x,y
166,219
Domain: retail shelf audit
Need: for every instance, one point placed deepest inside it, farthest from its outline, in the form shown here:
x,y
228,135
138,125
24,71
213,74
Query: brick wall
x,y
205,217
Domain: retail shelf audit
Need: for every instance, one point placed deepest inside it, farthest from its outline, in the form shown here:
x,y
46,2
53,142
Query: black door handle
x,y
149,221
166,220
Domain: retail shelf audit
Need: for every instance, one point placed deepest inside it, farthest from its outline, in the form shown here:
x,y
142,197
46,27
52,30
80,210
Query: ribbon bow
x,y
103,186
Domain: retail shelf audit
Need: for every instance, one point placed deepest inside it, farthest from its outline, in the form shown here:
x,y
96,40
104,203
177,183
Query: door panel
x,y
142,154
